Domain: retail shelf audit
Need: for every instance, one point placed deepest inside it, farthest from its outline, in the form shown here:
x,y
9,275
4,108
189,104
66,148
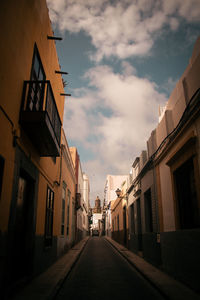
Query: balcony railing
x,y
39,117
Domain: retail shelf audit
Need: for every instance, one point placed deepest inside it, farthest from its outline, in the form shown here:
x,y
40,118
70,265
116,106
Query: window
x,y
63,208
79,222
186,195
148,211
184,168
1,172
36,89
118,222
68,209
138,217
49,218
132,218
37,72
54,159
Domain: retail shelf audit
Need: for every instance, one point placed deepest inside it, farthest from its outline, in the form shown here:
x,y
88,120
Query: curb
x,y
166,285
78,249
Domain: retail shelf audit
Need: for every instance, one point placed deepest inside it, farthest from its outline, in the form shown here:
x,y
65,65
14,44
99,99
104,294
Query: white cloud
x,y
189,10
123,28
128,69
133,105
97,175
174,23
78,115
114,119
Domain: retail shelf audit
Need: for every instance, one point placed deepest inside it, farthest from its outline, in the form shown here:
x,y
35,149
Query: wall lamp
x,y
56,183
118,192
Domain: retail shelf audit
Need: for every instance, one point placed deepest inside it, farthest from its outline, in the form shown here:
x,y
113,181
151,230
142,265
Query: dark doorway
x,y
1,172
124,225
187,203
148,211
23,235
139,224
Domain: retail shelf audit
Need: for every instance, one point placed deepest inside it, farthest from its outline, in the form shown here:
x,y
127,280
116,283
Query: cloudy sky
x,y
123,58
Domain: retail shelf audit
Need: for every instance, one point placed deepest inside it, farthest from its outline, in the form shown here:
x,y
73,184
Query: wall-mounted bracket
x,y
54,38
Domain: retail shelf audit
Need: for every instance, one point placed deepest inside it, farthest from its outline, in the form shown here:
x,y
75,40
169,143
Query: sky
x,y
123,59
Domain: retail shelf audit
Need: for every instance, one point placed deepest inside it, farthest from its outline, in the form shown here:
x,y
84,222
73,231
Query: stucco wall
x,y
167,198
30,24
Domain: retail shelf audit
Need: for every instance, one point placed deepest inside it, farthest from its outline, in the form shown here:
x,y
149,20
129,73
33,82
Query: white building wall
x,y
95,220
86,191
80,190
113,182
86,202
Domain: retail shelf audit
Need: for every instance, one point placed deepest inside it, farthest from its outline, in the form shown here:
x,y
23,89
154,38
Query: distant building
x,y
119,215
113,182
86,204
97,209
66,205
82,197
96,218
96,221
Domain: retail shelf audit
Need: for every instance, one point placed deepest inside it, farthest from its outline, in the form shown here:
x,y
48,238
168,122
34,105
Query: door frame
x,y
23,167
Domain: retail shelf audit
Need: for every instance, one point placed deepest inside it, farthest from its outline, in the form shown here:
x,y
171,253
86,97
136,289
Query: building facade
x,y
82,197
66,206
177,164
119,215
37,178
143,210
113,182
163,193
86,204
97,208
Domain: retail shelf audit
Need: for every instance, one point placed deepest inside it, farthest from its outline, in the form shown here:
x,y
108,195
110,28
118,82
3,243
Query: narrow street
x,y
102,273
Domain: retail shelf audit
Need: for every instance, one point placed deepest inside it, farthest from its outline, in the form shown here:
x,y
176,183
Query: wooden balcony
x,y
39,117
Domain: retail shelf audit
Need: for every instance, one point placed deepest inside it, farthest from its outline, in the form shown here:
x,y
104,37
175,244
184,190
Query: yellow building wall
x,y
117,213
24,24
68,177
30,24
8,154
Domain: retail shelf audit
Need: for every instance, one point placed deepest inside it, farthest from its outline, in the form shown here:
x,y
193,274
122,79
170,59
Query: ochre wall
x,y
23,24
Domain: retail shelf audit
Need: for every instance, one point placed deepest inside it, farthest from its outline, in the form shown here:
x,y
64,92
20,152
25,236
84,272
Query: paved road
x,y
102,273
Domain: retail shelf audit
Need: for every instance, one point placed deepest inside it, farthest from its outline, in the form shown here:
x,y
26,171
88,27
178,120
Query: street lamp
x,y
118,192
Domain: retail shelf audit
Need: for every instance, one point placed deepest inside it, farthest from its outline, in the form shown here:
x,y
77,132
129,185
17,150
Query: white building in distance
x,y
113,182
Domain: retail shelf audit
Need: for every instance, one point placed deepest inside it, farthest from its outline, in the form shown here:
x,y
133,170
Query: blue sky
x,y
124,59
